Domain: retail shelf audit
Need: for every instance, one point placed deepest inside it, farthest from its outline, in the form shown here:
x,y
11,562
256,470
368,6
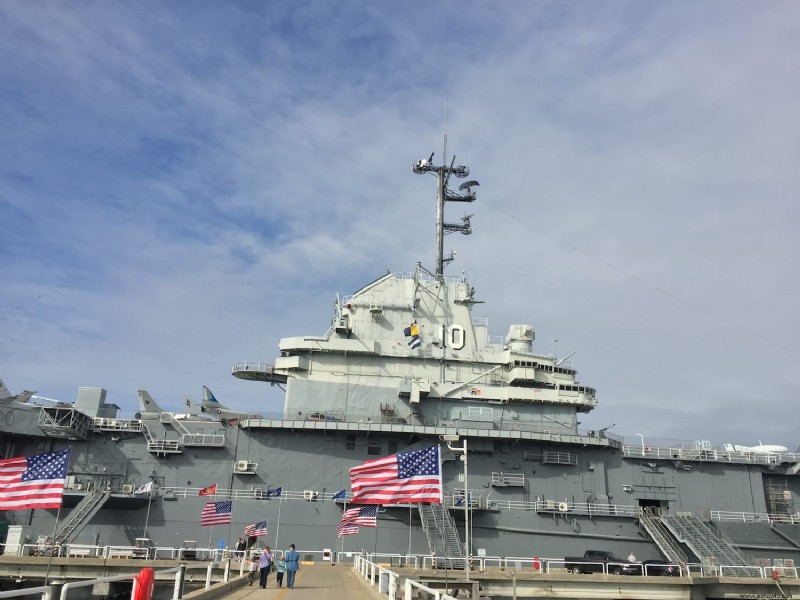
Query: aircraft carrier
x,y
405,364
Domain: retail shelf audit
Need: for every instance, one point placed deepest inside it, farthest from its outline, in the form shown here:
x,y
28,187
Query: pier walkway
x,y
311,583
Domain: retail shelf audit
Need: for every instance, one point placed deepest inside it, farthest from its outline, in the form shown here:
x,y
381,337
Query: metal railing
x,y
710,454
386,582
46,591
748,517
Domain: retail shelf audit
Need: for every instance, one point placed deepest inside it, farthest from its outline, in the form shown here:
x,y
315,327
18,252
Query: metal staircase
x,y
212,440
662,537
163,446
81,515
705,542
443,539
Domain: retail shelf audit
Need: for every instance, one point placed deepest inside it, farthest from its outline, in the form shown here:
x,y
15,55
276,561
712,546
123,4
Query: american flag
x,y
216,513
35,481
346,529
406,477
361,515
256,530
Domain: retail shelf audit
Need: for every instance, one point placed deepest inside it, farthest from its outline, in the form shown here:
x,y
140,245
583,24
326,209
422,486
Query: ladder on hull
x,y
442,535
81,515
651,522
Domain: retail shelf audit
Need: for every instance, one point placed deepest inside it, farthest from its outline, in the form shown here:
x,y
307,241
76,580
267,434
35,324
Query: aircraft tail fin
x,y
208,397
147,404
191,408
4,393
6,396
210,403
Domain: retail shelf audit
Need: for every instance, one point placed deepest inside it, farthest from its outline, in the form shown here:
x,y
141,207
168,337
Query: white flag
x,y
144,489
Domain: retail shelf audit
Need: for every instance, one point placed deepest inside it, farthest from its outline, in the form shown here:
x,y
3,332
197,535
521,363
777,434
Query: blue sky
x,y
183,184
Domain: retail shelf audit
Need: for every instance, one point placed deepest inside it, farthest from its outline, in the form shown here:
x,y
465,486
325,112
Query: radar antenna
x,y
465,193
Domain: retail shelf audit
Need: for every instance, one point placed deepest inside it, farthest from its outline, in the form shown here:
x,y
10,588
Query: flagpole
x,y
344,510
149,502
409,531
53,544
278,528
374,559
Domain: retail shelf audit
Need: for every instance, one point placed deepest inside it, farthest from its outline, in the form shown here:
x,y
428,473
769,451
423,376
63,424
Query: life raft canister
x,y
143,585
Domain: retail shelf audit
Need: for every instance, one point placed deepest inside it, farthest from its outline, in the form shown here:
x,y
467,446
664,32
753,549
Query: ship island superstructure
x,y
405,364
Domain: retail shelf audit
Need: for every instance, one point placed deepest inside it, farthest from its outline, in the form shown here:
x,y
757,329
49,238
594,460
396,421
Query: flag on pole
x,y
413,332
144,489
209,490
361,515
256,530
339,495
216,513
35,481
346,529
399,478
274,491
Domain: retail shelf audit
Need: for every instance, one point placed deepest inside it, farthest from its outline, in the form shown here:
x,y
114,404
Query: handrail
x,y
710,454
46,591
386,581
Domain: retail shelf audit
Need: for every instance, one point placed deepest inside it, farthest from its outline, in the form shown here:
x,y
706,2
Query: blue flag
x,y
274,492
339,495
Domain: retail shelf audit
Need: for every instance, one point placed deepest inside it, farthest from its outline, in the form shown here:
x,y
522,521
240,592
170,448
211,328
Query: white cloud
x,y
181,188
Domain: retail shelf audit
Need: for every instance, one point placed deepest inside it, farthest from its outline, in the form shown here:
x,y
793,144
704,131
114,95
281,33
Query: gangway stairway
x,y
662,537
705,543
443,539
81,515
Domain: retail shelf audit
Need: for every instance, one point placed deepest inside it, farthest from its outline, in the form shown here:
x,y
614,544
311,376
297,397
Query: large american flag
x,y
256,530
361,515
35,481
216,513
406,477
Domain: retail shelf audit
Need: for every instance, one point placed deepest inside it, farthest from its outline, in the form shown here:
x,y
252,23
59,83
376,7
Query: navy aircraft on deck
x,y
211,406
6,396
150,409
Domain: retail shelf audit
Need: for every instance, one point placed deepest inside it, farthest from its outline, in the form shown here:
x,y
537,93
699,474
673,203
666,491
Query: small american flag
x,y
346,529
216,513
406,477
256,530
361,515
35,481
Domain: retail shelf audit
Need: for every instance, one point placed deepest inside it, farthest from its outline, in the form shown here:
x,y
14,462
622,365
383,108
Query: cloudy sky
x,y
182,184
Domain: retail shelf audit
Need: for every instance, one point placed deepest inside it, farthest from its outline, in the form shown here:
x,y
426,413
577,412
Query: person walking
x,y
280,563
251,576
266,564
241,546
292,566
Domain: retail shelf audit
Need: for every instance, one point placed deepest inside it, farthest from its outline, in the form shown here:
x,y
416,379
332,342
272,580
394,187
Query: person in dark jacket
x,y
292,559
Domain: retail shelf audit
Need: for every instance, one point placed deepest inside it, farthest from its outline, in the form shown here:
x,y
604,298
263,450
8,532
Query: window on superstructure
x,y
350,443
373,449
392,447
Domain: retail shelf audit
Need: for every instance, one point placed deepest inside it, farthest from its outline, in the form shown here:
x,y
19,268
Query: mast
x,y
465,193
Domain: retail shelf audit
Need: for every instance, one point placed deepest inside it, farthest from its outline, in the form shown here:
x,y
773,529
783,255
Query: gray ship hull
x,y
528,497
